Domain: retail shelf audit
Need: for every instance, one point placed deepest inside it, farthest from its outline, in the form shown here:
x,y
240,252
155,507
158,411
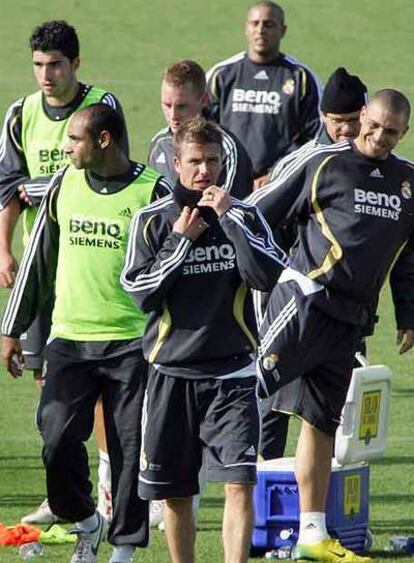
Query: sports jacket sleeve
x,y
283,199
259,259
13,166
154,261
36,276
402,287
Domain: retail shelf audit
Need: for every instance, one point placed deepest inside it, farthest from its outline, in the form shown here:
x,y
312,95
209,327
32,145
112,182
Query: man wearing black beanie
x,y
343,97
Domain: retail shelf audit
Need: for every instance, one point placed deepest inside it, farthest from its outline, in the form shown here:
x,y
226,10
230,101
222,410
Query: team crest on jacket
x,y
269,362
406,191
288,86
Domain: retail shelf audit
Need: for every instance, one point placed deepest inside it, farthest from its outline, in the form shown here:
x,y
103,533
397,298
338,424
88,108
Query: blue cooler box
x,y
276,498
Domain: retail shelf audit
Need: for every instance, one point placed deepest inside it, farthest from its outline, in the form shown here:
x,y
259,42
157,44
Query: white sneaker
x,y
122,554
86,548
156,513
42,515
105,502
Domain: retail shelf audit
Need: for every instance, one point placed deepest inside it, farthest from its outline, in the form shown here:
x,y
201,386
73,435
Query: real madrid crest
x,y
269,362
288,86
406,189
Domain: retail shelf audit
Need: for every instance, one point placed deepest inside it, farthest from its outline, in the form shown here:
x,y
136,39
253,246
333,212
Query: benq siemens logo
x,y
210,259
95,231
255,101
377,204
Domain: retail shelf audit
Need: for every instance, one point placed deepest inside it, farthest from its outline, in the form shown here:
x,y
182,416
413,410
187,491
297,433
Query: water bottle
x,y
31,550
402,544
284,552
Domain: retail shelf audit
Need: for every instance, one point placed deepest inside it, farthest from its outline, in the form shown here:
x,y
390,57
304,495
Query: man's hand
x,y
8,268
406,339
190,223
261,181
216,198
12,356
24,198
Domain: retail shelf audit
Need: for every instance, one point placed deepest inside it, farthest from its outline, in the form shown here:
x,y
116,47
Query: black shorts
x,y
307,357
34,339
191,424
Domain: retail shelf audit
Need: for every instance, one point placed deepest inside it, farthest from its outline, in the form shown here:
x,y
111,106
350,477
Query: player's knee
x,y
179,505
239,493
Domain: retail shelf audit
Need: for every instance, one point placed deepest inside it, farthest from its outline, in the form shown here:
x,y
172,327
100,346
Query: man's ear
x,y
177,165
104,139
75,64
362,113
405,132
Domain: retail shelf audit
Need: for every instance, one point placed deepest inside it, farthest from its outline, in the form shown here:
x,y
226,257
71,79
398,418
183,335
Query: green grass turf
x,y
124,47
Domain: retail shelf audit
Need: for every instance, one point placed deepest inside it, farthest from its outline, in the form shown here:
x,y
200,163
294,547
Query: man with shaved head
x,y
77,249
269,100
353,204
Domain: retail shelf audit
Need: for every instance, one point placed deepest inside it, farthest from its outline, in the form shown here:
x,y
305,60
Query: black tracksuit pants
x,y
66,418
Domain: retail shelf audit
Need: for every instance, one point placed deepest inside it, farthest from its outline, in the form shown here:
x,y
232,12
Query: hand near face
x,y
190,223
216,198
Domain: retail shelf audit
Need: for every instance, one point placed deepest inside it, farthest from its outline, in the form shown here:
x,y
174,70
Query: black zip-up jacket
x,y
272,108
201,320
354,216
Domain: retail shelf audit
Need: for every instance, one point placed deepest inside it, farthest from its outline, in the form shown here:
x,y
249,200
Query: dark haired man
x,y
34,133
190,260
353,205
184,96
77,248
269,100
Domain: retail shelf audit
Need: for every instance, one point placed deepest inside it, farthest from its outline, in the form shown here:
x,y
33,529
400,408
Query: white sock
x,y
104,486
312,527
104,470
89,524
123,552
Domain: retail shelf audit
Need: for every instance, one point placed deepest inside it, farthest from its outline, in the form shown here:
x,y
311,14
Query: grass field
x,y
124,47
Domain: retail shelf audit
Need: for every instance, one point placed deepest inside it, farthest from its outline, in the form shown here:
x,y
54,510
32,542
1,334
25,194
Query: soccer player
x,y
353,204
34,133
343,98
190,258
77,248
184,96
269,100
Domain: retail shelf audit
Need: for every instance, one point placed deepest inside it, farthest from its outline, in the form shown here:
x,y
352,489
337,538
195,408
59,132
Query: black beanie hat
x,y
343,93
